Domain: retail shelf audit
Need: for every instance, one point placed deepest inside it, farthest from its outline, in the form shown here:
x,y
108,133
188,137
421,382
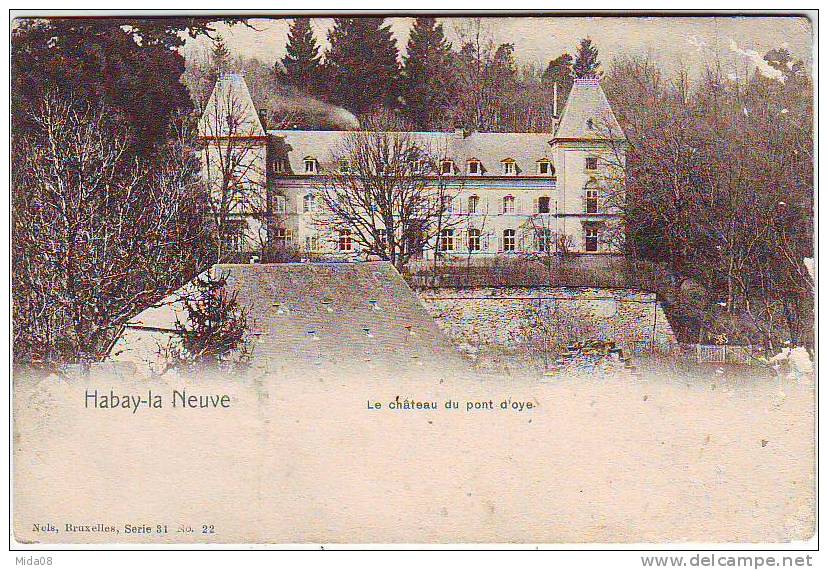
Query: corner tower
x,y
589,150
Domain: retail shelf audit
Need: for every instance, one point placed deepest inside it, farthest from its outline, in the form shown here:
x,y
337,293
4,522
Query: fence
x,y
722,354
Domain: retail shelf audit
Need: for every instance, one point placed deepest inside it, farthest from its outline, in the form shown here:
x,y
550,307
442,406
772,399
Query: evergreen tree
x,y
220,57
586,64
361,64
301,66
559,71
429,83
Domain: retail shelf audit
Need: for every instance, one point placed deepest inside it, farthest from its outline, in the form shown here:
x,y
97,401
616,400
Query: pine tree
x,y
559,71
361,64
220,57
586,64
301,67
429,83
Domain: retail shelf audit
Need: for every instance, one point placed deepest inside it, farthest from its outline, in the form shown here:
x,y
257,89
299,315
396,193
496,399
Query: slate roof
x,y
324,316
489,148
230,97
588,102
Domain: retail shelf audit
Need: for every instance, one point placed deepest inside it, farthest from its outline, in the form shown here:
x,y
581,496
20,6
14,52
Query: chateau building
x,y
508,193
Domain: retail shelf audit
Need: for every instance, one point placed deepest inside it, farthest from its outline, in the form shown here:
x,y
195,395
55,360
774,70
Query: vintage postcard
x,y
413,278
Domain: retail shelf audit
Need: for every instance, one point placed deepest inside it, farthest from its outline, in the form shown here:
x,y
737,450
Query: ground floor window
x,y
508,240
232,235
345,241
543,240
312,243
447,240
591,238
282,237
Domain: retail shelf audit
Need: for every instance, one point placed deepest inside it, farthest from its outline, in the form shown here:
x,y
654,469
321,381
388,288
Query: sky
x,y
737,41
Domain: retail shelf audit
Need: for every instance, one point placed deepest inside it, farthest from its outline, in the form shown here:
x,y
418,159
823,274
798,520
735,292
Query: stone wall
x,y
515,318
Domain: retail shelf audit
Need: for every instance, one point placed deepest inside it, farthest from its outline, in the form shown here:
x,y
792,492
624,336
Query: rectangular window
x,y
508,167
312,243
474,240
543,205
592,201
508,204
447,240
279,204
543,240
474,201
446,167
310,166
280,166
592,163
543,167
591,238
282,237
474,167
345,241
232,235
508,240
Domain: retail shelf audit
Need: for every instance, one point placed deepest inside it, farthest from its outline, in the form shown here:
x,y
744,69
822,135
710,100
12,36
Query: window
x,y
279,204
312,243
232,235
545,168
592,163
474,203
282,237
543,240
280,166
308,203
543,205
591,238
508,204
311,165
448,205
474,240
447,240
508,240
475,168
591,200
509,167
382,242
345,241
447,167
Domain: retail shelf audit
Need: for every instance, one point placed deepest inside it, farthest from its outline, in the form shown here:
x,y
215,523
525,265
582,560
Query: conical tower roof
x,y
230,111
588,115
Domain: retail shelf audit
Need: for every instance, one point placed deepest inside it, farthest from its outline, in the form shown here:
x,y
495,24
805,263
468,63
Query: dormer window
x,y
592,163
447,167
545,167
280,166
475,168
509,167
311,165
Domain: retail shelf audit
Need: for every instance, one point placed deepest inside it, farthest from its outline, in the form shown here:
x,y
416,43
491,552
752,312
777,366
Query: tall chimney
x,y
555,99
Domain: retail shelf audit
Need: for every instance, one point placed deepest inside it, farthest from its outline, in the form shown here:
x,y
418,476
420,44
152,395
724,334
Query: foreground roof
x,y
313,316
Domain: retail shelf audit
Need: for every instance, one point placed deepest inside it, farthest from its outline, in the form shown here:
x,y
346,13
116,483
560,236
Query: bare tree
x,y
96,236
387,191
234,170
